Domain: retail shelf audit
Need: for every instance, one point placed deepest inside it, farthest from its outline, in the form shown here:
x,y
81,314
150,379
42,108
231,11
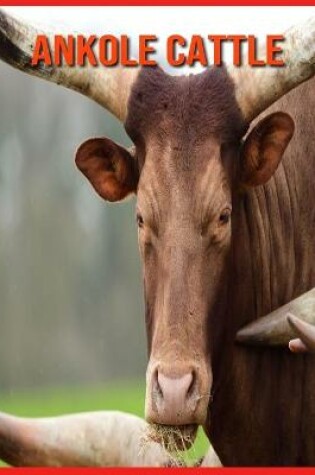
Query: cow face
x,y
189,163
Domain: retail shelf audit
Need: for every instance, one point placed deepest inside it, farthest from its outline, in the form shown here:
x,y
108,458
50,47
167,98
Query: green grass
x,y
123,396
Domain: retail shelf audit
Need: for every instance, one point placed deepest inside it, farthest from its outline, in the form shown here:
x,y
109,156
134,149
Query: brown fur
x,y
263,407
205,277
263,410
187,108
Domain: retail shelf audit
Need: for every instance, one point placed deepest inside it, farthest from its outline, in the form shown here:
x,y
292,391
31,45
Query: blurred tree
x,y
70,282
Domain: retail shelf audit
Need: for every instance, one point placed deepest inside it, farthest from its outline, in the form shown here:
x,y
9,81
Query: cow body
x,y
263,409
262,400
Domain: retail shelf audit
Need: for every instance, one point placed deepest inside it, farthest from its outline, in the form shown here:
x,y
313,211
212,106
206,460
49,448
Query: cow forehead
x,y
178,125
175,165
184,110
172,193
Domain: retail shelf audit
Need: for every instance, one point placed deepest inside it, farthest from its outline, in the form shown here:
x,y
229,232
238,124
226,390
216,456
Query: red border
x,y
126,3
158,471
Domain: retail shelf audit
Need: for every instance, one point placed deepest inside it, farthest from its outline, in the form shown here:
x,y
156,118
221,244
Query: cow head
x,y
190,160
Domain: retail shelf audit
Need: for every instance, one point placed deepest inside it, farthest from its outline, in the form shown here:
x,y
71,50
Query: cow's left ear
x,y
263,148
110,168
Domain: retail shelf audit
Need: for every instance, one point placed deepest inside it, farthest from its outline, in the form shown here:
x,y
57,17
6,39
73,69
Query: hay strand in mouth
x,y
175,440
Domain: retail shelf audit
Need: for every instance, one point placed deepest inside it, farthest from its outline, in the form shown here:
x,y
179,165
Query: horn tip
x,y
249,336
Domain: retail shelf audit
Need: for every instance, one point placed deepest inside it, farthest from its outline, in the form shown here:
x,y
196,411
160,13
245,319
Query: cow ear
x,y
110,168
264,147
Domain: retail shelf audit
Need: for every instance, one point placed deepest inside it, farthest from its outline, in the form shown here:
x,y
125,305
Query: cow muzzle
x,y
177,396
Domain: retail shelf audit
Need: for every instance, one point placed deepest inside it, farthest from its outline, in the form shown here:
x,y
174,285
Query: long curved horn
x,y
87,439
257,88
110,87
305,333
275,328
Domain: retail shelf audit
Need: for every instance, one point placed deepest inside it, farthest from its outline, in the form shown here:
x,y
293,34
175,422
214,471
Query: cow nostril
x,y
157,385
192,386
159,390
161,385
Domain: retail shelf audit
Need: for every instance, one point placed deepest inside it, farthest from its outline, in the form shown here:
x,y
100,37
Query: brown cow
x,y
225,234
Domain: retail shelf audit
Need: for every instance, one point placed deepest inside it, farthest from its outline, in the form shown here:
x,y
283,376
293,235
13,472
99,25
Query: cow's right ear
x,y
264,147
110,168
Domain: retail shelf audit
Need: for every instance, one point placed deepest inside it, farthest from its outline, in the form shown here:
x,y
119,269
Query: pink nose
x,y
175,398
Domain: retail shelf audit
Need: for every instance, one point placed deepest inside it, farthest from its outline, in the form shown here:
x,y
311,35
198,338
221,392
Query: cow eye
x,y
225,216
140,221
